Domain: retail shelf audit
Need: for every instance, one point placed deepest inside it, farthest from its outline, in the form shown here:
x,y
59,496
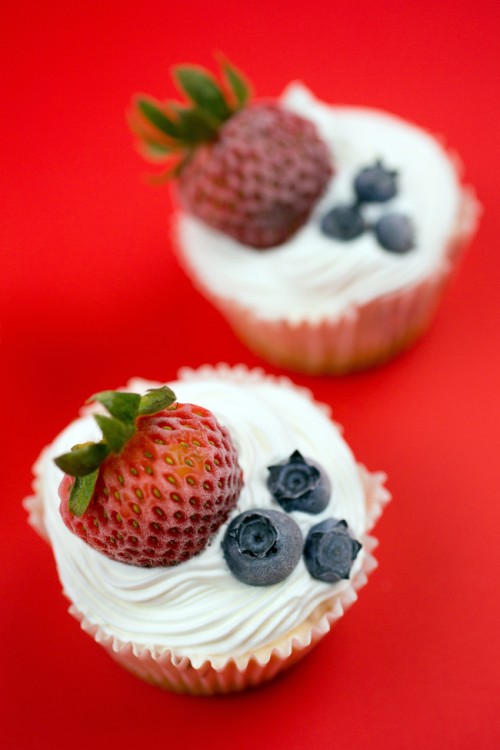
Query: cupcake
x,y
222,540
324,234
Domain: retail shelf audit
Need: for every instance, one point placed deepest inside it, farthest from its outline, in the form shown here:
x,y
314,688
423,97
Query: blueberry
x,y
375,184
395,233
343,223
330,550
262,547
299,484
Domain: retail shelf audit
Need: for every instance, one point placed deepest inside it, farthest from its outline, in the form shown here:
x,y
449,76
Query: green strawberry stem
x,y
172,131
83,461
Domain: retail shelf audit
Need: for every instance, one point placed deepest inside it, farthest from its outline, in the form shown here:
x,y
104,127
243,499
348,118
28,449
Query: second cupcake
x,y
324,234
207,548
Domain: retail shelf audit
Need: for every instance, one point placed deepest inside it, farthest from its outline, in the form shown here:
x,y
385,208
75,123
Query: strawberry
x,y
158,485
251,170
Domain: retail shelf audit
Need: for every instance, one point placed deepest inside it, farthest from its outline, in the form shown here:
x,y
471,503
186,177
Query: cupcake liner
x,y
33,505
169,670
364,335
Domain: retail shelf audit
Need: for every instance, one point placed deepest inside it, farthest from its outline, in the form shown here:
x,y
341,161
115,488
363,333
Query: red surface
x,y
90,295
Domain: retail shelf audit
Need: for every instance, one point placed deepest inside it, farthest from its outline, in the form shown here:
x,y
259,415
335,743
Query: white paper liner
x,y
33,505
166,669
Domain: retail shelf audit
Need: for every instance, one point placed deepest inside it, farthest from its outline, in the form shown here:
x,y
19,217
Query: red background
x,y
91,295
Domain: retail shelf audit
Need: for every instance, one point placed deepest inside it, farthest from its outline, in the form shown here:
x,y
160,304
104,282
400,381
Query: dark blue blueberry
x,y
262,547
343,223
330,550
299,484
375,184
395,233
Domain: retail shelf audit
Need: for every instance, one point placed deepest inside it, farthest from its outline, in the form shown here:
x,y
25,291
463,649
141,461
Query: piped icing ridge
x,y
198,609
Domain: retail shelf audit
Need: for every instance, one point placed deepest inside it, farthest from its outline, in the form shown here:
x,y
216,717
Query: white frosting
x,y
198,609
313,276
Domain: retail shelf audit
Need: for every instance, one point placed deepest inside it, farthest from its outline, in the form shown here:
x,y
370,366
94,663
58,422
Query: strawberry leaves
x,y
83,461
194,126
116,433
203,91
171,131
155,400
236,81
157,117
123,406
81,493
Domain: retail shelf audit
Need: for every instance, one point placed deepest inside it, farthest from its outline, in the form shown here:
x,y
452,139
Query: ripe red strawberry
x,y
158,486
251,171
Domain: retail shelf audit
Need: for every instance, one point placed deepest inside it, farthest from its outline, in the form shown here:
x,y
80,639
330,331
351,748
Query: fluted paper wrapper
x,y
168,670
364,335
